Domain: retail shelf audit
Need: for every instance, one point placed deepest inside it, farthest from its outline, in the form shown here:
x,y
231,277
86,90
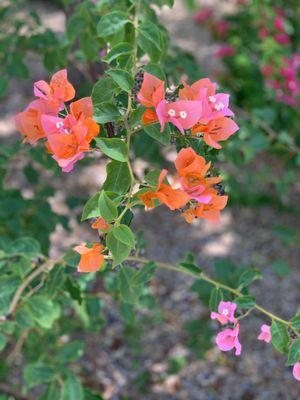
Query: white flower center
x,y
219,106
212,99
183,114
225,312
172,112
59,124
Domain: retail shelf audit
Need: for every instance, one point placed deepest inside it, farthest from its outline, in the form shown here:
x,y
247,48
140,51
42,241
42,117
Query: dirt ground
x,y
244,236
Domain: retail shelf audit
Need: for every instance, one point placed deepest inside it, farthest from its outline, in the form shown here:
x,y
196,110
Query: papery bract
x,y
265,334
296,371
183,114
58,91
228,340
91,258
225,313
216,130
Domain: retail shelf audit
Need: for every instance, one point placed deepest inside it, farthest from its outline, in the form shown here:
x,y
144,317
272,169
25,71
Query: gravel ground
x,y
244,236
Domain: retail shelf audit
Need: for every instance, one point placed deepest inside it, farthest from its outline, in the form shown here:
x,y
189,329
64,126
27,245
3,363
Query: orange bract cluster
x,y
67,134
193,187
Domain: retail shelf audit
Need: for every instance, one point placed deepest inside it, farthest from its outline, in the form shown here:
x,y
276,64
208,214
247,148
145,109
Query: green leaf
x,y
122,78
124,234
295,321
73,289
190,265
248,276
152,177
55,279
216,295
103,90
155,70
280,337
91,208
281,267
3,86
129,290
111,23
106,112
3,341
119,250
144,274
245,301
154,132
25,245
149,40
72,389
44,311
118,177
121,49
38,373
107,207
113,148
294,353
70,352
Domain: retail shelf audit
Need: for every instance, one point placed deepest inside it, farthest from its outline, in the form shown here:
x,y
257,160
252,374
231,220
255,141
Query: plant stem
x,y
215,283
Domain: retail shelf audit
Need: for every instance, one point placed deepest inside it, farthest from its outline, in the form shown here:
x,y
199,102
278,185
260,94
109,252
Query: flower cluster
x,y
228,339
199,107
276,27
284,80
66,133
193,187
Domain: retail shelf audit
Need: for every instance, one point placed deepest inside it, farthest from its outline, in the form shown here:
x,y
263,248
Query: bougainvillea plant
x,y
132,99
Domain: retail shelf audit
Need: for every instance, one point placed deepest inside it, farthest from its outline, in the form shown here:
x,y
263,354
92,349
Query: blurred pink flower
x,y
225,50
204,14
228,340
296,371
282,38
265,333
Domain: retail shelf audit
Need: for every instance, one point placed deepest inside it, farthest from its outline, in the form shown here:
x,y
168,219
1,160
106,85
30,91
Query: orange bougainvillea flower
x,y
28,122
59,90
152,91
216,130
91,258
193,92
192,169
101,224
150,94
210,211
69,137
172,198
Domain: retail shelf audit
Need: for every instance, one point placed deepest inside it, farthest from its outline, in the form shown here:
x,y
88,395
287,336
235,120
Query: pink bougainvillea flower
x,y
225,313
296,371
225,50
152,91
91,258
228,340
183,114
217,130
265,333
58,91
214,105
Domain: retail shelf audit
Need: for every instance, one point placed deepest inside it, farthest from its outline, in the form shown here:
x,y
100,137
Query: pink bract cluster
x,y
199,107
66,133
228,339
